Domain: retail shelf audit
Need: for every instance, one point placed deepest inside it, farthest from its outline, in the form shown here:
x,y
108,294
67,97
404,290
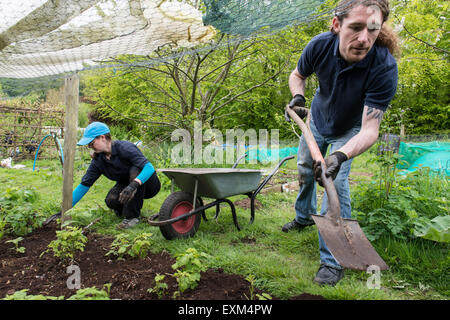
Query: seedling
x,y
264,296
251,279
119,246
160,287
23,295
16,245
92,293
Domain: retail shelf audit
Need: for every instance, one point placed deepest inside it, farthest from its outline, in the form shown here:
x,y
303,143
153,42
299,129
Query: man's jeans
x,y
306,203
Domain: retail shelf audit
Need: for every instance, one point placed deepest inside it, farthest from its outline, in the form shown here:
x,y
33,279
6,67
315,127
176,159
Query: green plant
x,y
251,278
264,296
413,200
23,295
387,160
67,243
2,226
191,260
134,247
16,211
437,229
16,245
92,293
141,245
186,280
119,246
188,266
160,287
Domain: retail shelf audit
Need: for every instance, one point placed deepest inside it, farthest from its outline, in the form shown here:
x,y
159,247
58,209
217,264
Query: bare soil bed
x,y
129,278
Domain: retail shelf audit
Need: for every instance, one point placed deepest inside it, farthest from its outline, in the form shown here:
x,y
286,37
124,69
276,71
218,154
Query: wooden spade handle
x,y
333,199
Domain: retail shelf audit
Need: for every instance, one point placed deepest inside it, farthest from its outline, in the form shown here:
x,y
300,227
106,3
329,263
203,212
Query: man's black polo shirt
x,y
344,89
124,155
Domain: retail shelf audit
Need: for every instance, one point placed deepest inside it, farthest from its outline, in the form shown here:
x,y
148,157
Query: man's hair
x,y
387,37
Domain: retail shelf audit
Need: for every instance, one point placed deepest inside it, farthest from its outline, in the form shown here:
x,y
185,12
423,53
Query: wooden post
x,y
71,88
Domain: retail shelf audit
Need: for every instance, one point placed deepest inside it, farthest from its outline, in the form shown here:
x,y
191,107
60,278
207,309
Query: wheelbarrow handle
x,y
275,170
239,160
333,199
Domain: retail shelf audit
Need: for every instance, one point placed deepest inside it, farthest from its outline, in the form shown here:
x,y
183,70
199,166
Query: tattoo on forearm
x,y
373,113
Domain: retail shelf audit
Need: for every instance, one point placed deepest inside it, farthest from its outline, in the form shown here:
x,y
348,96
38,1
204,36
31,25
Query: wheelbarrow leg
x,y
252,208
200,200
252,197
233,213
217,211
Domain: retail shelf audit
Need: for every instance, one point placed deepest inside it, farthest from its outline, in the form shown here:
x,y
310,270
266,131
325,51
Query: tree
x,y
422,99
231,83
189,87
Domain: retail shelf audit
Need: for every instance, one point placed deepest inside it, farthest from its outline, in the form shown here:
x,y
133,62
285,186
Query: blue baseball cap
x,y
92,131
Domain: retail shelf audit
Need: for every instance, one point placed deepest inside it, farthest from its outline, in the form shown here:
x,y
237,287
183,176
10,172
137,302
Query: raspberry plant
x,y
188,266
67,243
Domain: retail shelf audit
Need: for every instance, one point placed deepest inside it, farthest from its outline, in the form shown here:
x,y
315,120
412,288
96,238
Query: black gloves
x,y
128,193
333,163
298,105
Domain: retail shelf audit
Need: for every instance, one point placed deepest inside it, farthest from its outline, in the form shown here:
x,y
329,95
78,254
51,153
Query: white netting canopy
x,y
51,37
48,37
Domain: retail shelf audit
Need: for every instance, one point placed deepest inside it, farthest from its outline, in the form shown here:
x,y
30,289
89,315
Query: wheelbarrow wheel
x,y
175,205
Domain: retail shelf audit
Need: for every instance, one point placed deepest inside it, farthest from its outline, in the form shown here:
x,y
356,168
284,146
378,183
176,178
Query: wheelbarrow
x,y
343,237
181,212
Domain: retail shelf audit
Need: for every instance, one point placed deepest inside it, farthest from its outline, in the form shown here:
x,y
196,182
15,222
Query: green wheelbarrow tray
x,y
179,215
343,237
216,183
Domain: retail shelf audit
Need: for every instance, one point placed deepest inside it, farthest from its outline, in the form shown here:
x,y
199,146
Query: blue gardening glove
x,y
298,105
128,193
333,163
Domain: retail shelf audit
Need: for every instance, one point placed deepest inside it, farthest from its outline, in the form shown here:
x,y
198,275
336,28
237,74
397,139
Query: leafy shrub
x,y
67,243
188,266
412,201
17,216
137,247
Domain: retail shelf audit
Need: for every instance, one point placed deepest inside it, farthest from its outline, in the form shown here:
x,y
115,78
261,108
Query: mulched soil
x,y
129,278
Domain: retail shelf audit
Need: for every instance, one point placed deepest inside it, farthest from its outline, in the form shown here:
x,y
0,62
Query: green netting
x,y
269,155
245,17
434,155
